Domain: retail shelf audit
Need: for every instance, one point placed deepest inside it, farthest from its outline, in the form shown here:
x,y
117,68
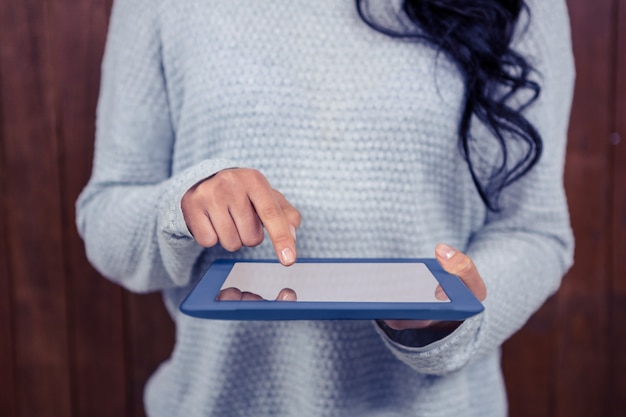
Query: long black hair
x,y
476,35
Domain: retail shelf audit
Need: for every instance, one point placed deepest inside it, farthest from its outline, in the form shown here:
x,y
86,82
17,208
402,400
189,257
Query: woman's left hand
x,y
456,263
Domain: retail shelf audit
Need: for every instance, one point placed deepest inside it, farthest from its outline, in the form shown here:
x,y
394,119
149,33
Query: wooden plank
x,y
528,365
618,152
583,358
151,339
552,366
97,339
7,354
33,214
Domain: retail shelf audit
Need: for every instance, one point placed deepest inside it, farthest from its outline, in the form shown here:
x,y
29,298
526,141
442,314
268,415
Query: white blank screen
x,y
337,282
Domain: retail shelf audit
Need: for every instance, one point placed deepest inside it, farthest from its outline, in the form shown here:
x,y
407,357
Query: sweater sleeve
x,y
129,212
523,251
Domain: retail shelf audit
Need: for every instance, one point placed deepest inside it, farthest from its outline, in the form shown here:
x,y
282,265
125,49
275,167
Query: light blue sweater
x,y
358,130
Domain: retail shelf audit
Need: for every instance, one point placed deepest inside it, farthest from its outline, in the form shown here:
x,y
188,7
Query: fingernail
x,y
288,256
293,231
445,251
285,295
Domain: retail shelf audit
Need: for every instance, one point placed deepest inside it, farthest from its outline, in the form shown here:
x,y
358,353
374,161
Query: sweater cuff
x,y
432,351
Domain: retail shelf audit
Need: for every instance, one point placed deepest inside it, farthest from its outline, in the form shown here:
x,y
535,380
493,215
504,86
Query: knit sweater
x,y
359,131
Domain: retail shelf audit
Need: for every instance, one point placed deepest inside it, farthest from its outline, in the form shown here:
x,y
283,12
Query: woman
x,y
376,130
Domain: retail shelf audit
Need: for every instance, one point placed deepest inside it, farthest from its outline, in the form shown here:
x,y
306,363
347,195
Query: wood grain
x,y
583,352
530,376
97,322
33,232
8,404
618,227
150,340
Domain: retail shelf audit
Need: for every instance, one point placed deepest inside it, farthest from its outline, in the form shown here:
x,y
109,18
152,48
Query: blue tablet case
x,y
202,303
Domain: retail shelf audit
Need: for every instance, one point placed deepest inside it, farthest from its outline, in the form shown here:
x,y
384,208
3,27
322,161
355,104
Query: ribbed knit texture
x,y
358,130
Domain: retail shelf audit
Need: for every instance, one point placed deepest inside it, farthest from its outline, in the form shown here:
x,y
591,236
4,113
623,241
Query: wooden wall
x,y
72,344
569,360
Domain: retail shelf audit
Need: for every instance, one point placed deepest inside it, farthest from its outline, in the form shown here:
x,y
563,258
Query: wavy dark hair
x,y
476,35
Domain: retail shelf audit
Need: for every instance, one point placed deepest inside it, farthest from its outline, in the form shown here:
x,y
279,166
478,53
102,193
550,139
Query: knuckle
x,y
207,240
292,214
238,181
223,179
253,177
226,181
252,240
295,217
271,211
231,245
278,194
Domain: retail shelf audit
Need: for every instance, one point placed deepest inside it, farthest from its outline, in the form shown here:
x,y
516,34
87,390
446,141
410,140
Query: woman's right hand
x,y
233,206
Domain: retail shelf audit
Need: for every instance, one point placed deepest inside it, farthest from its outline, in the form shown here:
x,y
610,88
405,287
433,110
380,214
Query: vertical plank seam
x,y
612,159
128,357
52,106
8,268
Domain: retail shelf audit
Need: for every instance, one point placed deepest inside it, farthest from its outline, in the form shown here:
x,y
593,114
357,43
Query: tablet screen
x,y
337,282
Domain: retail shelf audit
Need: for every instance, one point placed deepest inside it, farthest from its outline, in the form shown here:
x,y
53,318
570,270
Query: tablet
x,y
331,289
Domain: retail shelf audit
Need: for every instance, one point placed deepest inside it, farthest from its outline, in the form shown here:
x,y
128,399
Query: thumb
x,y
461,265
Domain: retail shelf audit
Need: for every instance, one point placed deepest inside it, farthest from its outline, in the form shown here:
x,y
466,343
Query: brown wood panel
x,y
95,305
583,358
150,340
618,152
7,369
530,376
552,366
32,204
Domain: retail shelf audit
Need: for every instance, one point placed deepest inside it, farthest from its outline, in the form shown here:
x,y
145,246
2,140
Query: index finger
x,y
275,222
